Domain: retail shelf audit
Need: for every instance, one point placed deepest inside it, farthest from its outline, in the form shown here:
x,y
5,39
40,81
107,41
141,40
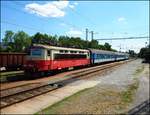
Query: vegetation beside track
x,y
8,75
54,107
87,102
139,70
127,96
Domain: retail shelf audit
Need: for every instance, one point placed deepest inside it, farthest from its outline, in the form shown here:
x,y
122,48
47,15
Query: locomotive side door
x,y
48,58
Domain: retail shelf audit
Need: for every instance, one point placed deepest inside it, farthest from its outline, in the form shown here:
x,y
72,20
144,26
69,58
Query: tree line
x,y
21,42
145,53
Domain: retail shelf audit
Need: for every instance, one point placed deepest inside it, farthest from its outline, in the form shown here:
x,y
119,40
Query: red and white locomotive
x,y
44,58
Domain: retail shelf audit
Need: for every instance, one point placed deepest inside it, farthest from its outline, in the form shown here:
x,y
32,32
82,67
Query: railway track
x,y
17,94
143,108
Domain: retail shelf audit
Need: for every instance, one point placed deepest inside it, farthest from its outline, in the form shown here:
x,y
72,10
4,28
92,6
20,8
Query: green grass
x,y
10,73
139,70
53,108
127,96
5,75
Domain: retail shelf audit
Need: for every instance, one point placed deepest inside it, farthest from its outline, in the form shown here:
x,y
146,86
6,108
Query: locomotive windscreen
x,y
36,52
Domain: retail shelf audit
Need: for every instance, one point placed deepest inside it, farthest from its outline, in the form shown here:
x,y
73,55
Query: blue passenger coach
x,y
121,56
99,56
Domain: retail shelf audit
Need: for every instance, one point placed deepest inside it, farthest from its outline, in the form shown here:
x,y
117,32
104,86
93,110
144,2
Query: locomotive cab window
x,y
36,52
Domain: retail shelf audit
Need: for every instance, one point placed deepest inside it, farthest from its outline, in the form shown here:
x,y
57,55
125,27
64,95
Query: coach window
x,y
48,53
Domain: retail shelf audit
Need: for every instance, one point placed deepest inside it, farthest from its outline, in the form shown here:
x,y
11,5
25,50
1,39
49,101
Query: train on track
x,y
44,58
12,61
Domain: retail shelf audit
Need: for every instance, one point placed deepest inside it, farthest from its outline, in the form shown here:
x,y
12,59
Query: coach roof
x,y
101,51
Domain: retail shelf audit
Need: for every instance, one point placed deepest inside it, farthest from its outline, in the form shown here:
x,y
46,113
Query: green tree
x,y
9,41
142,52
101,47
8,37
145,53
94,44
107,46
21,40
37,38
132,53
1,49
63,41
52,40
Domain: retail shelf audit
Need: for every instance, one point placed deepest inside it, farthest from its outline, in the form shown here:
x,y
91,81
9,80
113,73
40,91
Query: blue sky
x,y
107,18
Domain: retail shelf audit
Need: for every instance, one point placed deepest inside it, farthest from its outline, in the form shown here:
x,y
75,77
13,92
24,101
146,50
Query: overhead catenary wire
x,y
19,25
123,38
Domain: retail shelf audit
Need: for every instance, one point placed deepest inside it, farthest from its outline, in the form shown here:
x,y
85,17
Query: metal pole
x,y
86,36
86,30
92,35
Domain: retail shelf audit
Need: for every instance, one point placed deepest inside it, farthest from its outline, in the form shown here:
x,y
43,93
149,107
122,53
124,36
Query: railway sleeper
x,y
3,103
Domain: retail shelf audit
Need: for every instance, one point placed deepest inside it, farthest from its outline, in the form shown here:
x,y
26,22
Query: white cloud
x,y
75,3
50,9
61,4
72,6
121,19
74,33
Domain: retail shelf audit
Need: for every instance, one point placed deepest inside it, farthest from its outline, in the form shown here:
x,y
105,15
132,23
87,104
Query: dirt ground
x,y
117,92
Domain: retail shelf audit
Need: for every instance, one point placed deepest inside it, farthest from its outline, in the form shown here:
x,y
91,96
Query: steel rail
x,y
143,108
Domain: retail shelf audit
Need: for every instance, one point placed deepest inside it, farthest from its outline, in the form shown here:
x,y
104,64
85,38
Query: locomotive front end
x,y
35,60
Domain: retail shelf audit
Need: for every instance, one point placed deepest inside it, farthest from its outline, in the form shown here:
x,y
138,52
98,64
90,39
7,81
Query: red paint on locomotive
x,y
44,65
47,62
